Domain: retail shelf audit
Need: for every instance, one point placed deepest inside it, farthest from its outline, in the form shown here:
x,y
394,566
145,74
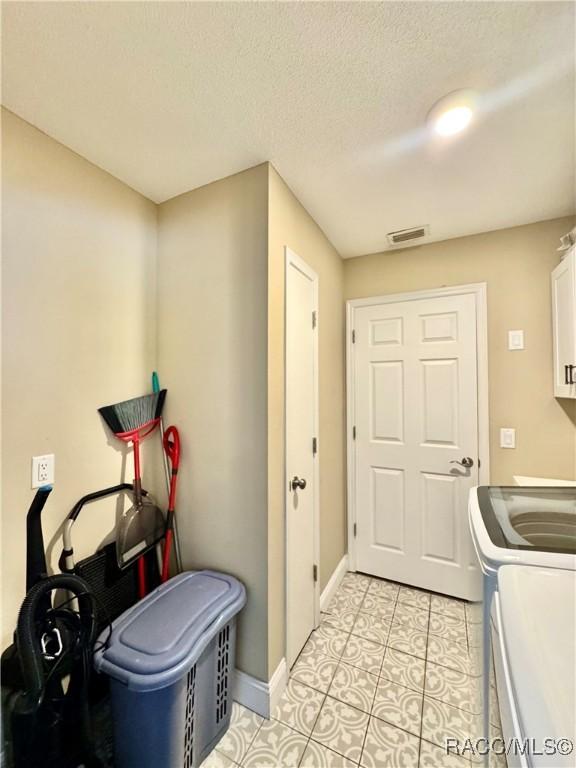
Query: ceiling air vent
x,y
405,236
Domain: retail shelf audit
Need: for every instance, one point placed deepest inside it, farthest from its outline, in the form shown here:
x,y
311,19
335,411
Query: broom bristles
x,y
133,414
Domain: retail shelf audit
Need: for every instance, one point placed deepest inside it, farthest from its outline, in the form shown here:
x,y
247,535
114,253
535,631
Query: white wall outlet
x,y
42,470
507,438
515,340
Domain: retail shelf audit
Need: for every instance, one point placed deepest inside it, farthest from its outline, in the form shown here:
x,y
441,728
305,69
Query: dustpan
x,y
140,528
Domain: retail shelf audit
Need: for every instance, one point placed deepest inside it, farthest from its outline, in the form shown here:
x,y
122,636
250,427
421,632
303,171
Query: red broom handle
x,y
142,577
172,448
137,476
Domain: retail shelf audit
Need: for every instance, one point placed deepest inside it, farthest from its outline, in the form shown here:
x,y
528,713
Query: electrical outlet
x,y
507,438
42,470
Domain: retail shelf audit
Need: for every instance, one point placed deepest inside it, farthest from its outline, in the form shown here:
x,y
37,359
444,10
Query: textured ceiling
x,y
169,96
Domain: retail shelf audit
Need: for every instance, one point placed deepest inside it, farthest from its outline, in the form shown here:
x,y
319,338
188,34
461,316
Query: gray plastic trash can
x,y
170,660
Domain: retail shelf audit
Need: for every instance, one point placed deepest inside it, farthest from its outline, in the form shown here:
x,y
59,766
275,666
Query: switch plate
x,y
515,340
507,437
42,470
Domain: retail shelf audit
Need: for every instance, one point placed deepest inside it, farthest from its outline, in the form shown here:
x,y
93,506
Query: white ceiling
x,y
169,96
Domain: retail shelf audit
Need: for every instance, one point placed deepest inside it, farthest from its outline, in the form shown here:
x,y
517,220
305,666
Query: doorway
x,y
417,435
302,456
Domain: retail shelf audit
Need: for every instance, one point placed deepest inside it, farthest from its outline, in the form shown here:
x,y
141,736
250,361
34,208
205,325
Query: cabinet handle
x,y
566,377
570,372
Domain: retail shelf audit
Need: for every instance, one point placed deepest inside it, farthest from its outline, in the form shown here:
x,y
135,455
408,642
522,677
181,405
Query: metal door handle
x,y
568,371
466,462
296,482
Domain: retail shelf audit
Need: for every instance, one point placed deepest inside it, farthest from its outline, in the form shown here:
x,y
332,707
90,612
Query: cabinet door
x,y
564,326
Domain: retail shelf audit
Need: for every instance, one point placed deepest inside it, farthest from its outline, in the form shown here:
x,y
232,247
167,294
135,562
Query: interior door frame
x,y
292,259
479,290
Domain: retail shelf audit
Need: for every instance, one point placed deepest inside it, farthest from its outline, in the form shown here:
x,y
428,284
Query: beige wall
x,y
516,264
212,286
291,225
78,331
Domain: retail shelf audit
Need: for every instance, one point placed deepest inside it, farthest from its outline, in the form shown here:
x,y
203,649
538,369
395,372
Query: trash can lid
x,y
166,632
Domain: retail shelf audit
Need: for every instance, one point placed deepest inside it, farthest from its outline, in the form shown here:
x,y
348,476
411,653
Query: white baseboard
x,y
277,684
333,583
257,695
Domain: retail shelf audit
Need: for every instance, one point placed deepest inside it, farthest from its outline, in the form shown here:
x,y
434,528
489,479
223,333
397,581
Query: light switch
x,y
507,437
515,340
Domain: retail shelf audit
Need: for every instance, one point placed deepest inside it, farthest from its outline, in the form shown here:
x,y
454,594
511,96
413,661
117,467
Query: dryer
x,y
532,526
534,640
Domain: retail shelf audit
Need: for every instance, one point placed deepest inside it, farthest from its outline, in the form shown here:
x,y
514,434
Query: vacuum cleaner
x,y
47,669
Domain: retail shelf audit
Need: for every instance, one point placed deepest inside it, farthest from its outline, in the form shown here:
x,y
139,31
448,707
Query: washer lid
x,y
538,608
542,519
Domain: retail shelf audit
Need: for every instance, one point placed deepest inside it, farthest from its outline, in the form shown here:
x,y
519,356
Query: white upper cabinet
x,y
564,325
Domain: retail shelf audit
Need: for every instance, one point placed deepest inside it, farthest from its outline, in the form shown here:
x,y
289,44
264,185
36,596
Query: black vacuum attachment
x,y
48,720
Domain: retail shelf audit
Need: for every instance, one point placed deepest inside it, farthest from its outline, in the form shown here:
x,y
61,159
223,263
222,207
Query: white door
x,y
301,454
416,416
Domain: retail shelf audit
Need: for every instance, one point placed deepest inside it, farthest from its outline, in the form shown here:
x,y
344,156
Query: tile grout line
x,y
327,695
309,739
253,739
424,685
397,603
338,661
370,715
349,636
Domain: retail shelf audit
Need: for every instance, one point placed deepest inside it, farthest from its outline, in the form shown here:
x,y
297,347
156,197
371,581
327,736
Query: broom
x,y
142,527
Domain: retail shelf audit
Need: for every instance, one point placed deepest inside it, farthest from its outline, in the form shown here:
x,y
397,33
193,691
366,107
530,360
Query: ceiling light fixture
x,y
453,113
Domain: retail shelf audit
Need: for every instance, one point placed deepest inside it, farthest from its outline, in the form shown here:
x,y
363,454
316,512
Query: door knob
x,y
466,462
298,483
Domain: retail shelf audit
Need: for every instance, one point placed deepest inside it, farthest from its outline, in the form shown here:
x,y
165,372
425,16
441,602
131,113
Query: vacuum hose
x,y
28,639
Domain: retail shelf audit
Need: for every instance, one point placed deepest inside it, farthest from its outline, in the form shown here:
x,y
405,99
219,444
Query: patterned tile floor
x,y
389,674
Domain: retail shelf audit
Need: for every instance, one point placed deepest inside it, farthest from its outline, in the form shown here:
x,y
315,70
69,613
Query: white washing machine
x,y
534,526
534,640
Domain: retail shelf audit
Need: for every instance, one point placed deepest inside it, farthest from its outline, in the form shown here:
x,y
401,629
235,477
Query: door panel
x,y
416,410
439,517
388,508
301,403
387,331
439,327
440,402
387,401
